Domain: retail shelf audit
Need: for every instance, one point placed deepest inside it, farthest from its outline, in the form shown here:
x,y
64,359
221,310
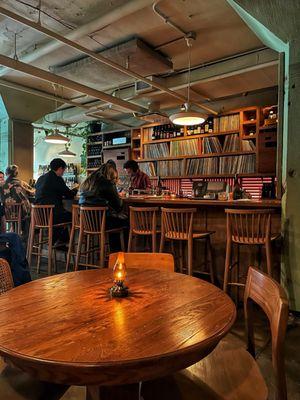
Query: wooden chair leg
x,y
181,256
227,264
40,248
102,250
78,252
129,241
269,257
210,260
162,243
30,245
190,257
70,249
50,250
154,242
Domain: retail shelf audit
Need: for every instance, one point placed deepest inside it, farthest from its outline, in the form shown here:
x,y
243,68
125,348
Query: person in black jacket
x,y
51,189
99,189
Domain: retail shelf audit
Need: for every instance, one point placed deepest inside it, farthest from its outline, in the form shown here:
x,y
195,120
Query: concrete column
x,y
21,133
277,24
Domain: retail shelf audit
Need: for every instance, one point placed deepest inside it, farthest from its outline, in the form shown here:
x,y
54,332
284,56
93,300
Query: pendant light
x,y
186,116
56,138
67,153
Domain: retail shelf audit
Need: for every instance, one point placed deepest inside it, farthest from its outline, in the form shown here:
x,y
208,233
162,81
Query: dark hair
x,y
112,163
1,172
132,165
57,163
12,171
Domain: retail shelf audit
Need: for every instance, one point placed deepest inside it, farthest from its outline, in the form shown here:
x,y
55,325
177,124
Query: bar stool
x,y
143,223
42,224
74,229
13,216
92,226
251,228
177,225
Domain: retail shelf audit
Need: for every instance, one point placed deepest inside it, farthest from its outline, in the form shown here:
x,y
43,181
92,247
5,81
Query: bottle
x,y
159,187
237,190
210,125
181,132
206,126
153,136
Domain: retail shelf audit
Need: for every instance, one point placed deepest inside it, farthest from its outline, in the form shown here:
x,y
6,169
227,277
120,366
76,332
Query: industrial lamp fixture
x,y
67,152
56,138
186,116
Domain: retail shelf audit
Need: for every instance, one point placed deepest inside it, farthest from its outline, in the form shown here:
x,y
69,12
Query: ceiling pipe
x,y
59,80
59,99
167,20
94,26
97,56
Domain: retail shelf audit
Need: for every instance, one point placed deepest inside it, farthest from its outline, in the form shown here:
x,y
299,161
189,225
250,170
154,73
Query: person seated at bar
x,y
2,179
52,189
138,178
14,190
99,189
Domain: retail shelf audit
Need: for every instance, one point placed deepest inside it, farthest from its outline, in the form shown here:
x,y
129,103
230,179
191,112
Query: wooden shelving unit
x,y
253,139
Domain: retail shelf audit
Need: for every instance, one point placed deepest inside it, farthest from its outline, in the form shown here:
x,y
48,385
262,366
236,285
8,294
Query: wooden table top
x,y
66,329
245,203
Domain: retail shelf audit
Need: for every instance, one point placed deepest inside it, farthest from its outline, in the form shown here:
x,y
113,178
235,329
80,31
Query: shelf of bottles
x,y
70,175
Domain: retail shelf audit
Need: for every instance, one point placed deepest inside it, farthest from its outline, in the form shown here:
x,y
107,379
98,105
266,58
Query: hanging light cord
x,y
189,45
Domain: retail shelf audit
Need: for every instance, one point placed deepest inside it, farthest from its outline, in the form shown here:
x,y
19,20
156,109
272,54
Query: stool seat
x,y
184,236
254,241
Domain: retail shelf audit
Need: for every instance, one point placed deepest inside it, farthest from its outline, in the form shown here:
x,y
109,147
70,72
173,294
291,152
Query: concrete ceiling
x,y
220,33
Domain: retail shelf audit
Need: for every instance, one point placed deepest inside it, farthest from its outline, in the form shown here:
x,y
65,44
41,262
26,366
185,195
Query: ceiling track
x,y
97,56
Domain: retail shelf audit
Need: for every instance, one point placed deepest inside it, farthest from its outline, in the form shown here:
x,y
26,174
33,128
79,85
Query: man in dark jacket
x,y
51,189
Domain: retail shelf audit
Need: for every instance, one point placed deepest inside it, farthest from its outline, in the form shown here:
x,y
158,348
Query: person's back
x,y
51,188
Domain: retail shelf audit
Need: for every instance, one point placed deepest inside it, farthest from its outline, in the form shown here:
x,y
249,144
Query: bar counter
x,y
211,216
166,202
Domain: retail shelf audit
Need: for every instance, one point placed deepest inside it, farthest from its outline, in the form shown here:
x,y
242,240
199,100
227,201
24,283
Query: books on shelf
x,y
211,145
243,164
148,168
201,166
248,145
170,168
231,143
157,150
229,123
184,147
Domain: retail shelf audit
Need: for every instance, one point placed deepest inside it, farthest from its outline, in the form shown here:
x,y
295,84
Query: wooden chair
x,y
41,225
92,226
161,261
13,217
143,223
177,225
74,229
251,228
6,279
230,372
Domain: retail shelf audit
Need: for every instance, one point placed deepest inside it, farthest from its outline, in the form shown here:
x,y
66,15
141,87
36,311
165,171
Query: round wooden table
x,y
66,328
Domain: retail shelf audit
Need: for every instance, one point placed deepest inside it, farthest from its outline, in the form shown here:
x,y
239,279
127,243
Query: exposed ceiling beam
x,y
97,56
59,99
59,80
83,31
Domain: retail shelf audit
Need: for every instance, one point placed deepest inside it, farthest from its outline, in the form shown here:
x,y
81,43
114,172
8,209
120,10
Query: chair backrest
x,y
42,215
92,219
270,296
76,215
6,280
249,226
13,212
143,219
161,261
177,223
